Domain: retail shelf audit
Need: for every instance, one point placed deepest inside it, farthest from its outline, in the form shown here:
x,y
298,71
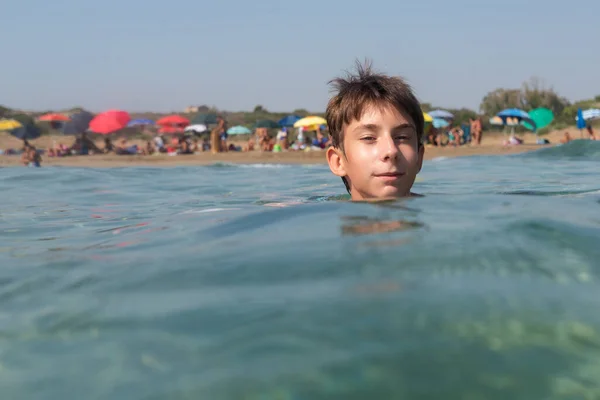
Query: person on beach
x,y
223,137
376,127
590,131
216,136
109,147
30,157
84,146
476,129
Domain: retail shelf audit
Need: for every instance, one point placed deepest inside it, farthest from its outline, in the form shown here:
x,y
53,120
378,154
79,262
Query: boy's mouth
x,y
389,175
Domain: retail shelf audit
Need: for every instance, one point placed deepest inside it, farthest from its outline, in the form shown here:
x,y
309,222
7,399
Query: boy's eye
x,y
367,138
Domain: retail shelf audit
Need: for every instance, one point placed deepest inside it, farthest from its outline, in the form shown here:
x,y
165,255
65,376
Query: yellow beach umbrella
x,y
9,124
310,121
312,127
427,117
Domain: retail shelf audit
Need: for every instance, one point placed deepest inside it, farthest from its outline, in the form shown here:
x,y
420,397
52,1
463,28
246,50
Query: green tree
x,y
500,99
301,112
4,111
75,110
462,115
24,119
535,94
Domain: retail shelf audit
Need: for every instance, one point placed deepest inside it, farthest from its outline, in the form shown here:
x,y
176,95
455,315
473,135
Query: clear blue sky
x,y
149,55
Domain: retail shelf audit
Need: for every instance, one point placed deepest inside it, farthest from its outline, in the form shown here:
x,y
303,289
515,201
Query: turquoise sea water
x,y
262,282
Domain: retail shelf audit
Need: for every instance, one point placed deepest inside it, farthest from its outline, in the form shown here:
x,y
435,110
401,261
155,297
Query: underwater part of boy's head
x,y
376,125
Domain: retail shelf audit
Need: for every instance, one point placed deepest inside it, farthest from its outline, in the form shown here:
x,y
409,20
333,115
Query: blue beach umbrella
x,y
580,119
238,130
580,122
513,113
441,114
288,121
516,114
140,122
440,123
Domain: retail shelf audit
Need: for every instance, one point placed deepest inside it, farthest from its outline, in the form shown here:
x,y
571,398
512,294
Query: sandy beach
x,y
491,145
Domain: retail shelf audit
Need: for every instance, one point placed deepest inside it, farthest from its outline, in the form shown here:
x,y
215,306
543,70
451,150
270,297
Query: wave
x,y
580,149
551,192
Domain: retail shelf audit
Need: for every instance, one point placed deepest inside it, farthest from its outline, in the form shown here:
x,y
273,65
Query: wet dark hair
x,y
363,89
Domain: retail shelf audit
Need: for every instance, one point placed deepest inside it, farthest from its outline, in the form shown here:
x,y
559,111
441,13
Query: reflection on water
x,y
362,225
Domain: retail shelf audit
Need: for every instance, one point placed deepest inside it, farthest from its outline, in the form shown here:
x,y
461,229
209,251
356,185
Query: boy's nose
x,y
389,150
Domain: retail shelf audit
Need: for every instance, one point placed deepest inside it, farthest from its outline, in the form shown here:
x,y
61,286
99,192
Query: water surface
x,y
263,282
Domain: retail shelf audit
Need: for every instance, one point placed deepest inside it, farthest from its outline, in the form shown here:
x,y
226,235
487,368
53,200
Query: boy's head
x,y
376,125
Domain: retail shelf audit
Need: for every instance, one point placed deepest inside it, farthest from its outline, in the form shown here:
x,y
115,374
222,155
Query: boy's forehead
x,y
381,114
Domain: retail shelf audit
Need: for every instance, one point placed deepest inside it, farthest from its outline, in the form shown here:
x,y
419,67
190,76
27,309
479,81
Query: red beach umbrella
x,y
54,117
109,121
170,129
173,120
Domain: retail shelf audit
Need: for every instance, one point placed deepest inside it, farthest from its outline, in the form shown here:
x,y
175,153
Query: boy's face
x,y
382,154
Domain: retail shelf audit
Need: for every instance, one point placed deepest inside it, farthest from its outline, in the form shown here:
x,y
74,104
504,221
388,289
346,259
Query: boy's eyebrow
x,y
405,125
375,127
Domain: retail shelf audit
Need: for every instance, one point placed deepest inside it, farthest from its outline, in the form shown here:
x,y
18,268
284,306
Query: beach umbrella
x,y
140,122
53,117
440,123
580,122
204,119
238,130
515,114
196,128
541,116
266,123
441,114
78,124
496,121
26,132
289,121
589,114
173,120
9,124
428,120
171,130
109,121
508,121
310,121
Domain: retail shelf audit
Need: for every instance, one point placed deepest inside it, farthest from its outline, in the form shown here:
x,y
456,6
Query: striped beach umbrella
x,y
590,114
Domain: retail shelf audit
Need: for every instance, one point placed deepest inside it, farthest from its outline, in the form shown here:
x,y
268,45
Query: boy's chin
x,y
392,192
386,194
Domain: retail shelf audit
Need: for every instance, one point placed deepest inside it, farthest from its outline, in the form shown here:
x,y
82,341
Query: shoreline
x,y
255,157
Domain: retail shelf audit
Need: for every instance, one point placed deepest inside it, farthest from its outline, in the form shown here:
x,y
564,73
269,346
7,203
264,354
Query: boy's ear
x,y
421,156
335,159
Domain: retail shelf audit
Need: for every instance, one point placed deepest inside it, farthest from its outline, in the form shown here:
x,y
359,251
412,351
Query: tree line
x,y
532,94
